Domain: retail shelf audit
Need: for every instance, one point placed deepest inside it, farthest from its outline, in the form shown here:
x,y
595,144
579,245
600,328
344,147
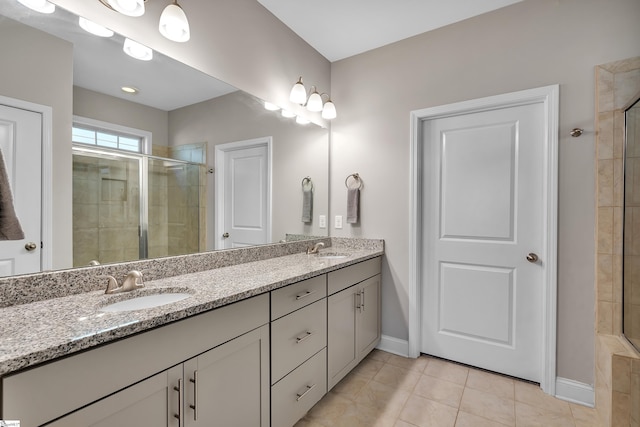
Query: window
x,y
107,139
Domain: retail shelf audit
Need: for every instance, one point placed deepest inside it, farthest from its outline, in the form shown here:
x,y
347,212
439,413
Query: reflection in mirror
x,y
186,115
631,250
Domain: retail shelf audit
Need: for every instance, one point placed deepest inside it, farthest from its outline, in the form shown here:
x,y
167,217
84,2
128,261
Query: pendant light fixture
x,y
174,24
42,6
137,50
93,28
126,7
314,102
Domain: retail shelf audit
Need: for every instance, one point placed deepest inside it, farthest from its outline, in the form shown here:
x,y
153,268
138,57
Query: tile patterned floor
x,y
386,390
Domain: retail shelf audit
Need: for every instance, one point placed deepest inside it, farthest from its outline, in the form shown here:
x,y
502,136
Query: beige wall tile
x,y
620,409
605,135
604,89
605,317
605,277
605,183
605,230
621,374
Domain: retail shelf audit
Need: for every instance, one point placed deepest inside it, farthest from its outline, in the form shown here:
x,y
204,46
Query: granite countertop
x,y
42,331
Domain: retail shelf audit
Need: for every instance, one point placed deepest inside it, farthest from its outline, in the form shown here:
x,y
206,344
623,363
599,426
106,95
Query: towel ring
x,y
356,177
307,180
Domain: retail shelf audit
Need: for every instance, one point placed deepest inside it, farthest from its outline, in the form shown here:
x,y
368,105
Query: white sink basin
x,y
332,255
144,302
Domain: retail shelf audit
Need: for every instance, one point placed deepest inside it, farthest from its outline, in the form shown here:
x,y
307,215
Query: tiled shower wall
x,y
617,363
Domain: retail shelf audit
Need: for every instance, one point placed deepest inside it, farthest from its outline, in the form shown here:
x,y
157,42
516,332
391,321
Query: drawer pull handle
x,y
362,301
304,337
300,396
194,380
306,294
178,416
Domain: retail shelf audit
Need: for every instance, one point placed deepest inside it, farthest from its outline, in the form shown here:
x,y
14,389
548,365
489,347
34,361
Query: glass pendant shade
x,y
42,6
93,28
174,24
315,102
128,7
329,110
298,93
137,51
287,114
302,121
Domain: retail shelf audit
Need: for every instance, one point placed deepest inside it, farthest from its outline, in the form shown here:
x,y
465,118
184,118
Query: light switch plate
x,y
338,222
322,221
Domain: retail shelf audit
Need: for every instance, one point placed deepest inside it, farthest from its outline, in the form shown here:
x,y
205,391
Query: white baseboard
x,y
394,345
574,391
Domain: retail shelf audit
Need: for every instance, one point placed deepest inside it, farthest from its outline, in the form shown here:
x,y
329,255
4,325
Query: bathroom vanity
x,y
255,344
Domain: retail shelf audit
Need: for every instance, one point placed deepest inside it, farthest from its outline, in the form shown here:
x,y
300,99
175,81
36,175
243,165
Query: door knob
x,y
31,246
225,235
532,257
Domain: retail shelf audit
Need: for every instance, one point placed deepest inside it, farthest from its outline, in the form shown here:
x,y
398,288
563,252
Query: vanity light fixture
x,y
287,113
314,101
174,24
125,7
93,28
271,107
42,6
137,50
173,21
302,121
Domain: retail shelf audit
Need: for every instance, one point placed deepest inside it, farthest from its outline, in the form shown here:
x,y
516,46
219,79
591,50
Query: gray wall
x,y
98,106
530,44
298,151
38,68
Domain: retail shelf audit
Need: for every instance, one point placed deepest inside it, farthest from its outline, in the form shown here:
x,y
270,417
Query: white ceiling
x,y
342,28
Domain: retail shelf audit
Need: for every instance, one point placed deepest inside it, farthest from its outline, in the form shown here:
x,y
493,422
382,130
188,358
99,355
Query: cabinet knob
x,y
31,246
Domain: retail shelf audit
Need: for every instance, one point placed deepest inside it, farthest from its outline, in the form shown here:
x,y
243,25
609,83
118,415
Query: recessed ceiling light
x,y
93,28
130,90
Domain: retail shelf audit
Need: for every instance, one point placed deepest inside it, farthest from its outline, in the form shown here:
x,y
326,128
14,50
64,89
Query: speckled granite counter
x,y
41,331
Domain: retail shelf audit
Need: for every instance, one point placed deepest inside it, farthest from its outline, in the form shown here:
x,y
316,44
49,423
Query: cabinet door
x,y
229,385
341,335
150,403
368,316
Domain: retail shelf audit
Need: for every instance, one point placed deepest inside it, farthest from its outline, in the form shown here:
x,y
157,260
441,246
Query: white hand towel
x,y
307,204
353,205
10,228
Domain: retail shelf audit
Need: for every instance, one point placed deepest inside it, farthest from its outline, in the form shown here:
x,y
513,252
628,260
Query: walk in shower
x,y
130,206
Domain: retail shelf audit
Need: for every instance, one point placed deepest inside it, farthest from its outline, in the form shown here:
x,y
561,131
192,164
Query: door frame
x,y
221,151
549,97
46,159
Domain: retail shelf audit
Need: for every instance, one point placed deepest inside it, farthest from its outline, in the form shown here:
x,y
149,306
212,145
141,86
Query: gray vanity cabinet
x,y
133,382
298,349
226,386
353,316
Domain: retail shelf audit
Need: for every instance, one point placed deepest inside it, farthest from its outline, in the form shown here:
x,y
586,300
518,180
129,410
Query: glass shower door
x,y
175,203
106,208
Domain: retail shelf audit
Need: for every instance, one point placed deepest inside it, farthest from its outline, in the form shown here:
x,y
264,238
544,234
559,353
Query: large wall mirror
x,y
168,199
631,245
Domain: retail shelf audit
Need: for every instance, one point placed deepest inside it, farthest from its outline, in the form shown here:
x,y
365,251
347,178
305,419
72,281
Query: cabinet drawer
x,y
345,277
292,297
296,393
296,337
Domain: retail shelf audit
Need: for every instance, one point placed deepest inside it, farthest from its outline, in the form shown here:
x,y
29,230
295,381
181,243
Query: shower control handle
x,y
532,257
225,235
31,246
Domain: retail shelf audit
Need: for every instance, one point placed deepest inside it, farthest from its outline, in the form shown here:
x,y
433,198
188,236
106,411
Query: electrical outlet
x,y
322,221
338,223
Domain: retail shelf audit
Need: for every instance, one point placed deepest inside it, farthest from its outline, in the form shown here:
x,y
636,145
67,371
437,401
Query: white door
x,y
484,214
21,145
245,200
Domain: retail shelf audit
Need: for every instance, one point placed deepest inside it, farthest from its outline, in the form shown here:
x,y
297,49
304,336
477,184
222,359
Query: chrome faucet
x,y
315,248
132,281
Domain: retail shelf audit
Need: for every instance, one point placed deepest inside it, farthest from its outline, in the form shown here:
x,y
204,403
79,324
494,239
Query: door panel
x,y
484,213
21,145
246,196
